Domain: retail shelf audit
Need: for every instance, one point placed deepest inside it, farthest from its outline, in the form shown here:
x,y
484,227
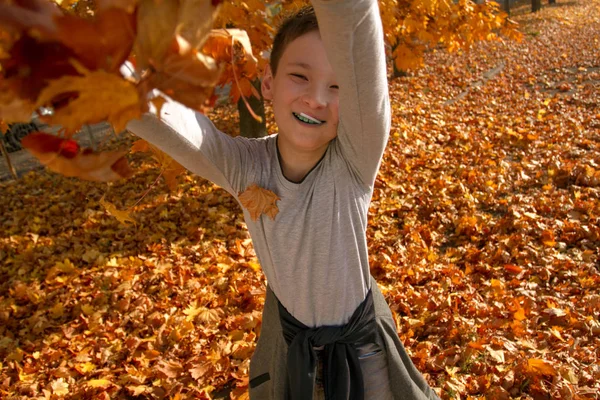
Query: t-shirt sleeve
x,y
191,139
353,36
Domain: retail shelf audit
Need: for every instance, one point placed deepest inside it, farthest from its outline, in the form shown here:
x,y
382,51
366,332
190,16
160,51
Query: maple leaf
x,y
60,387
259,201
101,96
65,157
122,216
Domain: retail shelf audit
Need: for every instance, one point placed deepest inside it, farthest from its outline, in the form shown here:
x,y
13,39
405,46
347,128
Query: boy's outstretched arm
x,y
192,140
353,36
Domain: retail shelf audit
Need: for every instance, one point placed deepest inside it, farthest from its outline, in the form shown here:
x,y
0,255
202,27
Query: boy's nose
x,y
315,98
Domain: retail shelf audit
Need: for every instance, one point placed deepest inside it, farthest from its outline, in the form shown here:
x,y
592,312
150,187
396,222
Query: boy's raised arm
x,y
353,36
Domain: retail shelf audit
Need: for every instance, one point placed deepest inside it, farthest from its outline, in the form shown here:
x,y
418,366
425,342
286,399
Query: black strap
x,y
343,376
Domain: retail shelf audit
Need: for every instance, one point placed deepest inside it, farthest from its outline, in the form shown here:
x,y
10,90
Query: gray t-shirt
x,y
314,253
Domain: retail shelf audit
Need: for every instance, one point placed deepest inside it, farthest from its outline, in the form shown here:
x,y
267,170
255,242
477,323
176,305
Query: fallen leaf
x,y
122,216
99,383
537,366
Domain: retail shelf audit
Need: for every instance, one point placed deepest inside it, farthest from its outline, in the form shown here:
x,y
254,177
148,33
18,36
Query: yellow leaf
x,y
259,201
87,309
122,216
537,366
101,96
84,368
99,383
57,311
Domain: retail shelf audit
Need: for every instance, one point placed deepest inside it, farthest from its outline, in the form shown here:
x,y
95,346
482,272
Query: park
x,y
483,231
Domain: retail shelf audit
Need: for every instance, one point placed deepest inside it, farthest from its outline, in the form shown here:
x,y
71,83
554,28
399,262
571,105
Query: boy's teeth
x,y
308,119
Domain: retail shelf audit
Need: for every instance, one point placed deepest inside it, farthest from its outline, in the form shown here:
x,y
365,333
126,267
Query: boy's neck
x,y
296,165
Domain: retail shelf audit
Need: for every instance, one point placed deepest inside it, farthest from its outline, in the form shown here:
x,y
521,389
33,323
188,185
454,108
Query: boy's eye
x,y
334,87
299,76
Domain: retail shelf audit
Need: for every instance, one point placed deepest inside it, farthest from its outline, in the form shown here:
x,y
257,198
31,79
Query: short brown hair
x,y
295,25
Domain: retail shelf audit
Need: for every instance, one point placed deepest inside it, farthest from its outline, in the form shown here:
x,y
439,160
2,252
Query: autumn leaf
x,y
156,21
537,366
65,157
122,216
100,97
103,42
99,383
60,387
190,27
259,201
3,126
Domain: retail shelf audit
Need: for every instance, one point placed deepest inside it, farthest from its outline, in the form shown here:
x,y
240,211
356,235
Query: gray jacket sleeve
x,y
353,36
192,140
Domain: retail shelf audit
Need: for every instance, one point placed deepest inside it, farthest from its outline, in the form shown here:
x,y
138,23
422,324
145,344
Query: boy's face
x,y
304,86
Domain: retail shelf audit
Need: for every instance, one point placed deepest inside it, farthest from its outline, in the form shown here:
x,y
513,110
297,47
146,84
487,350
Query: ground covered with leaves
x,y
484,236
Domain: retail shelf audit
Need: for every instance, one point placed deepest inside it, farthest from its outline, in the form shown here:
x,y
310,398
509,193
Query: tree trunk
x,y
249,126
398,73
551,1
12,170
507,6
536,5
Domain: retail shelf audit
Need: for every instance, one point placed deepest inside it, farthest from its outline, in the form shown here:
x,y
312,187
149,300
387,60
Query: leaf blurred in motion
x,y
65,157
100,97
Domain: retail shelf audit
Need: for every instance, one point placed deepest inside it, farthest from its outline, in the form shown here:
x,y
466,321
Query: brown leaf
x,y
259,201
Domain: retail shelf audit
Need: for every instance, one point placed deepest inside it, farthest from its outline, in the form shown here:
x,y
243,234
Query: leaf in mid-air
x,y
100,96
259,201
65,157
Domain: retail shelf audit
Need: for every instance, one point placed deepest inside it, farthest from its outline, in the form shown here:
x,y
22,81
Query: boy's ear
x,y
266,85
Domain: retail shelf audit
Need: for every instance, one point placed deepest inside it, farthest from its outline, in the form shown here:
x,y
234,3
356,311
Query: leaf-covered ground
x,y
484,235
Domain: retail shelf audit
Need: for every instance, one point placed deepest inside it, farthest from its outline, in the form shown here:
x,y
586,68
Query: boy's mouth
x,y
307,119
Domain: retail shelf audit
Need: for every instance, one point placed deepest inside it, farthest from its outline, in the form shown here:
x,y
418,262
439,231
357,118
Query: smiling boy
x,y
327,331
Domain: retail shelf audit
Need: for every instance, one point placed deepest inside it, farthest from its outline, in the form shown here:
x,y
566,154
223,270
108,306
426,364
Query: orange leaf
x,y
515,269
259,201
65,157
3,126
122,216
536,366
100,43
101,96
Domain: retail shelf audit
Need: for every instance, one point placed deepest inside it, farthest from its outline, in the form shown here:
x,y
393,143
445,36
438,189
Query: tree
x,y
413,26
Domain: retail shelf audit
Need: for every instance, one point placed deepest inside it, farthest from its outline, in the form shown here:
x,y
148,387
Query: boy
x,y
327,331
